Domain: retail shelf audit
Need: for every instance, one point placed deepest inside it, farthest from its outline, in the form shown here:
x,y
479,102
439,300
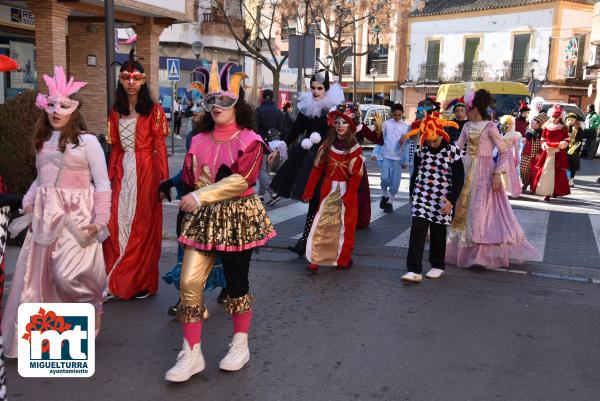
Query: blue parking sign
x,y
173,69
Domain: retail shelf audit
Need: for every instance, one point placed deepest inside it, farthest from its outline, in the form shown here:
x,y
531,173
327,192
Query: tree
x,y
255,26
341,24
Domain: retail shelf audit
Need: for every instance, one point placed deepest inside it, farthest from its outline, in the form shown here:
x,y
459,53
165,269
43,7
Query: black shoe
x,y
142,295
299,247
172,311
384,201
388,208
222,296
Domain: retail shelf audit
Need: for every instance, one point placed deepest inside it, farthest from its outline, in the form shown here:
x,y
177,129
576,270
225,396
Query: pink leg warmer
x,y
192,332
241,321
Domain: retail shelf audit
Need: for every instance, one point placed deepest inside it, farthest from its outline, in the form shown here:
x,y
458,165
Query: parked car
x,y
368,112
567,107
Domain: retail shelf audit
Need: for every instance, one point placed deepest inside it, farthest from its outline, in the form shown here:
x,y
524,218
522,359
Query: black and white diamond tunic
x,y
438,175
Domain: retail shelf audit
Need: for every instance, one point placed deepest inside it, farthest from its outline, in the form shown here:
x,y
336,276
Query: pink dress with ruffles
x,y
58,261
485,231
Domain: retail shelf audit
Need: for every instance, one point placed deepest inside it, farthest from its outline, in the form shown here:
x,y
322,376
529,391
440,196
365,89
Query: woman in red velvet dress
x,y
551,178
137,127
340,162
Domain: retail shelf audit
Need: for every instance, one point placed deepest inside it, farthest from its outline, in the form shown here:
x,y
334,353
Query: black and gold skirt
x,y
232,226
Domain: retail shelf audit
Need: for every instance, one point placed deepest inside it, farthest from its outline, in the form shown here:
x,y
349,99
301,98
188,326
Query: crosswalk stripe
x,y
533,222
535,226
287,212
376,212
595,221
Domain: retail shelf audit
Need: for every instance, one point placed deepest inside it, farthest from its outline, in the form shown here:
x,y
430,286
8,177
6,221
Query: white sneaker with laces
x,y
238,354
435,273
189,362
411,277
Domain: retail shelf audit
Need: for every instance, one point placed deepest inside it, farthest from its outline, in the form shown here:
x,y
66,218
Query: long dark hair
x,y
144,104
481,102
349,138
244,117
69,134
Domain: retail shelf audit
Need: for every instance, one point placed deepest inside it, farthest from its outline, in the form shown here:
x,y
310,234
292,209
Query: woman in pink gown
x,y
484,231
61,259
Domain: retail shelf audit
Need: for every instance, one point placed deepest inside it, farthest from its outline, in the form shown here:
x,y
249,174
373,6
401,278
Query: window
x,y
471,56
433,60
318,65
378,59
520,55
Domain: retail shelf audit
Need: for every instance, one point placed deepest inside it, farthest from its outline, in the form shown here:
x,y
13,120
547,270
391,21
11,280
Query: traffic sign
x,y
173,69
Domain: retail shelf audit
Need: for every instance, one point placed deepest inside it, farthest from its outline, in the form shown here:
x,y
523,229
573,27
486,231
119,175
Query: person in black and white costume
x,y
292,176
435,184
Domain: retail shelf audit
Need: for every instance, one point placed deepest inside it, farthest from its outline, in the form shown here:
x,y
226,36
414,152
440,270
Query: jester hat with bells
x,y
57,100
223,90
432,127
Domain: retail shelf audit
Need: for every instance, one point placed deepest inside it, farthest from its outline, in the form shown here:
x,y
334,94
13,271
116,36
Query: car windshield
x,y
507,104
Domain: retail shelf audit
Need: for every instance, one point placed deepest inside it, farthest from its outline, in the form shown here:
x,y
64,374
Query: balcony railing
x,y
515,71
470,72
431,72
219,19
381,65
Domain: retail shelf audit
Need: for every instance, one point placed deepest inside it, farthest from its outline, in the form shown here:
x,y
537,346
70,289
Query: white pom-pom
x,y
315,137
306,144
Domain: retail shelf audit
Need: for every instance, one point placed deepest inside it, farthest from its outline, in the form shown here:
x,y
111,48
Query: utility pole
x,y
109,37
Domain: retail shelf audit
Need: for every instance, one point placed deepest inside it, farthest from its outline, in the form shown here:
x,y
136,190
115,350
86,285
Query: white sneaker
x,y
189,362
238,354
571,183
411,277
435,273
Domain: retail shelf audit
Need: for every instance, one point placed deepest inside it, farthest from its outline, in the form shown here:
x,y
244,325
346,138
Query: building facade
x,y
480,41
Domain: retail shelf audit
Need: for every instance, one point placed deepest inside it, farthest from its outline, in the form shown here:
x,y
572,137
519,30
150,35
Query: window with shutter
x,y
433,60
471,56
519,58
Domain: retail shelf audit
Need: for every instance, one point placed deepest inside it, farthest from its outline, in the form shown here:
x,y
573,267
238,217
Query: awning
x,y
367,87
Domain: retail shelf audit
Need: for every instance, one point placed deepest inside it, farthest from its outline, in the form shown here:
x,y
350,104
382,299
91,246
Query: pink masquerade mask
x,y
57,100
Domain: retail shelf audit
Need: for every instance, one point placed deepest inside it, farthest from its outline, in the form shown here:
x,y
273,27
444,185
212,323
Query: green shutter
x,y
433,52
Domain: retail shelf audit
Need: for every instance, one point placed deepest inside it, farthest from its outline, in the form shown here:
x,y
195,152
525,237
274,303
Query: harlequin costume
x,y
60,262
531,152
138,164
229,221
551,178
437,177
331,238
291,178
484,231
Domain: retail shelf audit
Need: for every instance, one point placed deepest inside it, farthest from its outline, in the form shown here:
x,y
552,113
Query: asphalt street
x,y
363,335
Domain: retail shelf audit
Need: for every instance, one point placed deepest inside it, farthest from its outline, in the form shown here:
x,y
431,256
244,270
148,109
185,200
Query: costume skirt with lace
x,y
233,225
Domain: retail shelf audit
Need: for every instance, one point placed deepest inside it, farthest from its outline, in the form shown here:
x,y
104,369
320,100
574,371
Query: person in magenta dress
x,y
485,231
67,208
224,217
551,178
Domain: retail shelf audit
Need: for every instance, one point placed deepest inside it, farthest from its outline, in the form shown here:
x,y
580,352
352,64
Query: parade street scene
x,y
300,200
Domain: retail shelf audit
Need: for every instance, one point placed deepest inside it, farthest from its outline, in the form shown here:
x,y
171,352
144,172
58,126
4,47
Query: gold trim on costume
x,y
238,305
227,188
326,235
191,313
459,223
108,137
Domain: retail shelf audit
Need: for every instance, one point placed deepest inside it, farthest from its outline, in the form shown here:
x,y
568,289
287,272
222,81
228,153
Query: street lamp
x,y
328,61
532,64
197,48
373,71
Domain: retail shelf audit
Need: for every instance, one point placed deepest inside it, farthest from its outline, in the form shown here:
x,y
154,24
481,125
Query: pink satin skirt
x,y
57,263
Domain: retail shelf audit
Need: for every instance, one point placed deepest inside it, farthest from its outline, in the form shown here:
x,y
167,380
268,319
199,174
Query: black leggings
x,y
236,266
416,246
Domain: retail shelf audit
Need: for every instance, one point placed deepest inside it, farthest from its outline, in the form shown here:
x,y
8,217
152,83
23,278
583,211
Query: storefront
x,y
17,41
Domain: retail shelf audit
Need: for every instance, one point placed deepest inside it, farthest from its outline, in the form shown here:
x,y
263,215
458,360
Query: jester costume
x,y
229,220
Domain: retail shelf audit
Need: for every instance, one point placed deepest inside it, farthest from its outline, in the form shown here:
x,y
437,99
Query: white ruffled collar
x,y
315,108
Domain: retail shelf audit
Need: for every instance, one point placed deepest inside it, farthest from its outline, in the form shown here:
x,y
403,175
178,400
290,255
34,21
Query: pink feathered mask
x,y
57,100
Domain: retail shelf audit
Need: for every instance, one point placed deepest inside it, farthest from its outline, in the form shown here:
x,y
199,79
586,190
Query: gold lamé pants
x,y
195,269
